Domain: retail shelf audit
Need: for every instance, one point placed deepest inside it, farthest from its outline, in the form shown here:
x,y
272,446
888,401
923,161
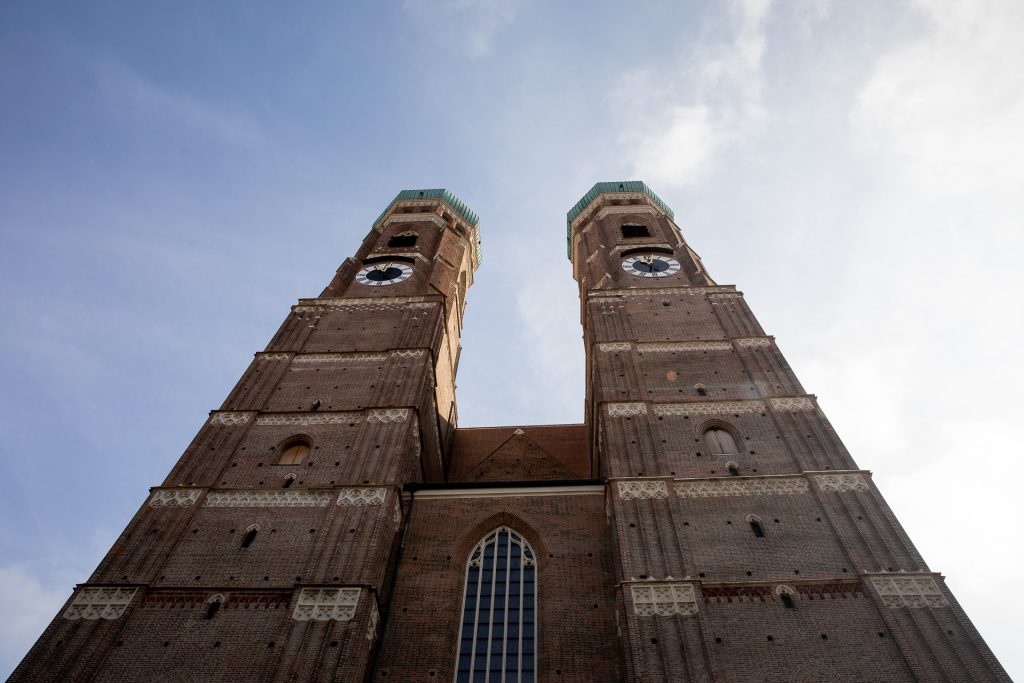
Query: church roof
x,y
605,188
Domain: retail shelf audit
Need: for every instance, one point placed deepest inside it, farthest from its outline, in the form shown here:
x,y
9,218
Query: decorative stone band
x,y
339,357
181,498
633,490
273,356
324,604
99,603
303,419
362,496
626,409
841,483
757,486
230,419
686,346
272,498
908,590
387,415
726,291
709,408
726,295
324,305
791,403
663,598
614,346
753,342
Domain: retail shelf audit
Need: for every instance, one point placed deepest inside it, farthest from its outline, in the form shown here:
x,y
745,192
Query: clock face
x,y
385,273
650,265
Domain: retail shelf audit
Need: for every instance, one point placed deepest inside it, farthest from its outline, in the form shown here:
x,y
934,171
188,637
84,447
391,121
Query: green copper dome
x,y
606,188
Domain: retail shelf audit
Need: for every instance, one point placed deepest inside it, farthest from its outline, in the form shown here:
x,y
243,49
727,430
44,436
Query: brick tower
x,y
332,523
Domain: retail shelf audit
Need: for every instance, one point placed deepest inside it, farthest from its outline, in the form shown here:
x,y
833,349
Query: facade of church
x,y
331,522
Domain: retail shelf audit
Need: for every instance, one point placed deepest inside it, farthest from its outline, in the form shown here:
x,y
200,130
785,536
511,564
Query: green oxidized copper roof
x,y
448,198
604,188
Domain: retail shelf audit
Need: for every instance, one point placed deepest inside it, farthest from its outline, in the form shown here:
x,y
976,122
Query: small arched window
x,y
294,453
288,481
212,605
719,441
734,469
785,594
497,641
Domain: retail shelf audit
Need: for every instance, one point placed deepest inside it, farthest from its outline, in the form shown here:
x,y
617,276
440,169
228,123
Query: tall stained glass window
x,y
497,643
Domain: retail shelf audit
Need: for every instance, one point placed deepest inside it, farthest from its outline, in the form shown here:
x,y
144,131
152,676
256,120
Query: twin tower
x,y
331,522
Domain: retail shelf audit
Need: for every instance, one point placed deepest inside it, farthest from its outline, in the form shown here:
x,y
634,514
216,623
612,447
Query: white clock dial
x,y
650,265
384,273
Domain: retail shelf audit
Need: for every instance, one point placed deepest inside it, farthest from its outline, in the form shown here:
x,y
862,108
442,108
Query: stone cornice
x,y
371,415
637,488
689,345
735,407
326,304
716,291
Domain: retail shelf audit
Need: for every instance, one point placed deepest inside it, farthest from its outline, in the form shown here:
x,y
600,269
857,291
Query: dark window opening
x,y
647,250
633,230
288,482
701,391
211,609
755,526
402,241
389,259
249,537
787,601
734,471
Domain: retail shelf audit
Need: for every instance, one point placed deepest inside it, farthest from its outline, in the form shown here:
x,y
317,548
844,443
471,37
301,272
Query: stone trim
x,y
726,295
339,357
586,217
273,356
387,415
753,342
230,419
635,490
709,408
511,492
325,604
908,590
755,486
182,498
841,483
614,346
663,599
305,419
99,603
362,496
626,409
373,623
685,346
789,404
717,290
325,305
268,498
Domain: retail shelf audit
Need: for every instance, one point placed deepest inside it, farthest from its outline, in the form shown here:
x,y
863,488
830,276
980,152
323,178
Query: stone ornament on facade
x,y
633,490
181,498
324,604
230,419
274,356
268,499
362,496
614,346
340,357
753,342
687,346
726,295
908,590
407,353
664,599
710,408
304,419
714,488
790,404
388,415
99,603
626,409
841,483
612,294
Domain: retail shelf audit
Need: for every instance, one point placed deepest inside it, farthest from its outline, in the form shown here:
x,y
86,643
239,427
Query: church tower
x,y
331,522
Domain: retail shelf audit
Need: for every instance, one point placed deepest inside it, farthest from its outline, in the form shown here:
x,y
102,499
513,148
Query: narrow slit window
x,y
211,609
288,482
787,601
734,471
498,637
249,537
755,526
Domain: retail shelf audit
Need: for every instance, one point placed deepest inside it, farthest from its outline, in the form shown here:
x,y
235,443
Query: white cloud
x,y
948,106
678,121
471,26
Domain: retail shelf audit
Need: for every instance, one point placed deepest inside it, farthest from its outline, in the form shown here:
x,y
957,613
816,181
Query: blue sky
x,y
173,176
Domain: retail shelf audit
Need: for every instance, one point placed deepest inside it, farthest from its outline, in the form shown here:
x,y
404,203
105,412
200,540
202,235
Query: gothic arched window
x,y
293,453
499,611
719,441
